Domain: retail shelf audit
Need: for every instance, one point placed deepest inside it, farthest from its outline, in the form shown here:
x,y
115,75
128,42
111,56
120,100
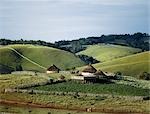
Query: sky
x,y
54,20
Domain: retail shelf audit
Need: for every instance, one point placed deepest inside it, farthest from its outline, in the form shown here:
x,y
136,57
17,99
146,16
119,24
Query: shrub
x,y
61,77
118,75
30,92
146,98
19,68
100,98
144,76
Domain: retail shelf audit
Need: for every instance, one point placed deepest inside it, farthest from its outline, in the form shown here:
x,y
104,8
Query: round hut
x,y
88,71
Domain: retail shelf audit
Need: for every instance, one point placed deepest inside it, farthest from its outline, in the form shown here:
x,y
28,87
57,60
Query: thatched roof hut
x,y
53,69
89,69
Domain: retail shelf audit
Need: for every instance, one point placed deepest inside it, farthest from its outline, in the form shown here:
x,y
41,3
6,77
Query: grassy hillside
x,y
105,52
40,55
129,65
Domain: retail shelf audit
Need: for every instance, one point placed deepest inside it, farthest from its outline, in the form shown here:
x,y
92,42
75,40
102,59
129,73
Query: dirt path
x,y
27,58
52,106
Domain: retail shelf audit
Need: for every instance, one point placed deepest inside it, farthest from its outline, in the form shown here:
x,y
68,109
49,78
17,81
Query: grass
x,y
25,110
128,103
44,56
115,104
131,65
106,52
12,81
67,75
114,89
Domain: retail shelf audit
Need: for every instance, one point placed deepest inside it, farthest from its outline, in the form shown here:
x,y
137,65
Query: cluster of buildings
x,y
88,74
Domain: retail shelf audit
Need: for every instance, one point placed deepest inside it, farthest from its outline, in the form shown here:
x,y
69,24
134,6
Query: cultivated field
x,y
113,89
122,95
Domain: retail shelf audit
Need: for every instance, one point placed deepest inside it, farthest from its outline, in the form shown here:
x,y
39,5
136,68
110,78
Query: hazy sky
x,y
53,20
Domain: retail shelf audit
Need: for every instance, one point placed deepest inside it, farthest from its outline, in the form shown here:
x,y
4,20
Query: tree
x,y
19,68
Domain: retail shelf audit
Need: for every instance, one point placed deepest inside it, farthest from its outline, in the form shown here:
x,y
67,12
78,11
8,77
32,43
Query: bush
x,y
62,77
19,68
146,98
118,75
100,98
144,76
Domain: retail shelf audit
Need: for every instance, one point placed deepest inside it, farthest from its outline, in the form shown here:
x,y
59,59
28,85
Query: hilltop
x,y
136,40
106,52
37,58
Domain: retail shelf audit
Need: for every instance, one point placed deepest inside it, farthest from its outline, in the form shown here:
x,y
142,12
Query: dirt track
x,y
107,111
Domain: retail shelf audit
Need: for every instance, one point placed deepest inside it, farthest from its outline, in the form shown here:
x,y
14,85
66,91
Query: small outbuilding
x,y
53,69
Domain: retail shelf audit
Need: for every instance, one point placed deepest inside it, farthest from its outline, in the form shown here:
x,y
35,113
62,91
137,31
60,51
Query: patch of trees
x,y
4,41
21,41
88,59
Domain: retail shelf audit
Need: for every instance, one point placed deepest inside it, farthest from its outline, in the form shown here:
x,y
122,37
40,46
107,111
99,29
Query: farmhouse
x,y
53,69
89,74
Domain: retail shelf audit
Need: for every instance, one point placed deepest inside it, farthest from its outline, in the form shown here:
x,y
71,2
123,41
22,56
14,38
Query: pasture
x,y
107,52
37,58
131,65
13,81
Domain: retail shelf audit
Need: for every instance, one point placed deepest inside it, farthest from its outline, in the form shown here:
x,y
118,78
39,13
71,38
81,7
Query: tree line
x,y
137,40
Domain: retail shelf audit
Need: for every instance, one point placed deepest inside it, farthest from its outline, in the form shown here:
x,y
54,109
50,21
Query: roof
x,y
53,68
89,69
99,72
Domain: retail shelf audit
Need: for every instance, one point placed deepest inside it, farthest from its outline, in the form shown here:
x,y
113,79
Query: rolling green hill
x,y
105,52
37,58
130,65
